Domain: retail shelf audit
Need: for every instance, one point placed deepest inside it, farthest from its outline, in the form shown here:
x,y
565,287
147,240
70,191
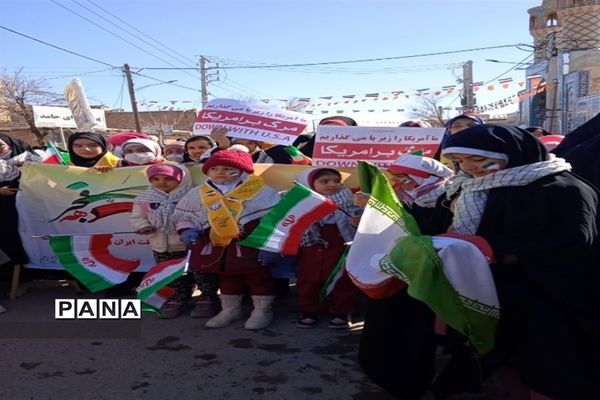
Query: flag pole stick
x,y
79,234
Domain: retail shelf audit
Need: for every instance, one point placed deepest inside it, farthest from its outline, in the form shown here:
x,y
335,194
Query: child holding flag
x,y
152,215
322,246
213,217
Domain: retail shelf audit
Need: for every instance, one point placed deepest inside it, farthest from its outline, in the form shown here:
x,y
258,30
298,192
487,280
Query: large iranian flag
x,y
153,290
88,258
449,274
382,223
452,276
281,229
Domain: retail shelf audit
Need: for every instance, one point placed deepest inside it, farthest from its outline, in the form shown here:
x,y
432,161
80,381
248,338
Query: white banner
x,y
343,146
61,117
61,200
250,121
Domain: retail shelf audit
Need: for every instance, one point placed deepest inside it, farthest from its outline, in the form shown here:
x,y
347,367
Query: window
x,y
552,20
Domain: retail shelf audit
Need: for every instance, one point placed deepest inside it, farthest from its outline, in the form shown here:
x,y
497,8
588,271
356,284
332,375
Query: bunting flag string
x,y
505,102
305,104
314,105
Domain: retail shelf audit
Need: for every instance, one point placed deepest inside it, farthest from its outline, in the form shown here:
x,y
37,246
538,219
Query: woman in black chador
x,y
10,242
542,224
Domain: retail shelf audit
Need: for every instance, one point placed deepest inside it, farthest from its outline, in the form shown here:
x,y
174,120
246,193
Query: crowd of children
x,y
499,183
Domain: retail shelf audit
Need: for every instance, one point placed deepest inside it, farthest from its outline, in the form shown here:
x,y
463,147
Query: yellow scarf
x,y
224,211
108,160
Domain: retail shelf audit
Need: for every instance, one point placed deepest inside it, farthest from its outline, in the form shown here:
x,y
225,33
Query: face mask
x,y
175,157
140,158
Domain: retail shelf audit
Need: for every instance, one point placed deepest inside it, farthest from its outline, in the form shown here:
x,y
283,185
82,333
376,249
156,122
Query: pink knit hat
x,y
231,158
165,169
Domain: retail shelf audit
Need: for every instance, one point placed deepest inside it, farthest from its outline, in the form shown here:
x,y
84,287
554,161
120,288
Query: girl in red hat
x,y
213,217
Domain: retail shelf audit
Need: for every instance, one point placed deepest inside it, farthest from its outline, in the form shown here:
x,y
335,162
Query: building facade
x,y
566,67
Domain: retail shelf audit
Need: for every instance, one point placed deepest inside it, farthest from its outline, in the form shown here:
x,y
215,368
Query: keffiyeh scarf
x,y
159,206
472,199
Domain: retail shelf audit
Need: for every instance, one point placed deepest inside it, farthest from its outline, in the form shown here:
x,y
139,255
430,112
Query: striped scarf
x,y
474,191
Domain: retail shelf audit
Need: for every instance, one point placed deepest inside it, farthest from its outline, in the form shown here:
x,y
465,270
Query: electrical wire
x,y
82,73
142,33
523,61
57,47
114,34
120,97
125,30
95,60
372,59
268,66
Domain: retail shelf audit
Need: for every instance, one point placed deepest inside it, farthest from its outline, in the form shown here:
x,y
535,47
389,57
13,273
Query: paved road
x,y
177,358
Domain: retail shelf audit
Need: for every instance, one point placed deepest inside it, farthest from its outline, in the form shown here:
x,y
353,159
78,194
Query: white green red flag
x,y
88,258
334,276
382,223
452,276
280,231
153,290
155,301
54,155
298,158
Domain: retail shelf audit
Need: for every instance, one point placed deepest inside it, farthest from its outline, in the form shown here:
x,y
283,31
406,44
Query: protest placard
x,y
343,146
250,121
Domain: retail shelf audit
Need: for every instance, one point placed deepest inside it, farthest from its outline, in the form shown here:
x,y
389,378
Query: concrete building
x,y
566,68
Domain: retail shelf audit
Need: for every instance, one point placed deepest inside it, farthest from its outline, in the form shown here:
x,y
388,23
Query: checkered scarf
x,y
190,210
159,206
474,191
9,169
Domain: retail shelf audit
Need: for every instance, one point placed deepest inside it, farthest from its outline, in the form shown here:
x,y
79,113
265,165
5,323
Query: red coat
x,y
233,258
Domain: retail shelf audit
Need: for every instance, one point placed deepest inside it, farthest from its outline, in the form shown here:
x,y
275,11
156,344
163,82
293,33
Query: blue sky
x,y
264,31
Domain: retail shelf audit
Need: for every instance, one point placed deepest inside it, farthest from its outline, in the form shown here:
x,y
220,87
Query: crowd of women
x,y
538,212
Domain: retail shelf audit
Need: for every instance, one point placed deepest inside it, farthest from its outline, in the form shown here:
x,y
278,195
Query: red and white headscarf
x,y
429,174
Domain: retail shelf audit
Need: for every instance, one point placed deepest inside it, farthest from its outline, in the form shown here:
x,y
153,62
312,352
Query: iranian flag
x,y
449,274
334,276
298,158
153,291
155,301
281,229
88,258
452,276
54,155
382,223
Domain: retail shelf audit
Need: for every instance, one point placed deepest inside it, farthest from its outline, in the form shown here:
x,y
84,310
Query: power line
x,y
93,59
111,32
139,31
57,47
355,61
120,97
124,30
80,74
165,82
510,69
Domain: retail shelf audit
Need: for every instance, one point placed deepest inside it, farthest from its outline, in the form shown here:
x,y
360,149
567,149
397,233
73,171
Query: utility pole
x,y
204,80
134,109
468,86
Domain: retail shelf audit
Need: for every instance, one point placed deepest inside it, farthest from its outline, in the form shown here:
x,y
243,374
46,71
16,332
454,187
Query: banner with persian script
x,y
56,200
